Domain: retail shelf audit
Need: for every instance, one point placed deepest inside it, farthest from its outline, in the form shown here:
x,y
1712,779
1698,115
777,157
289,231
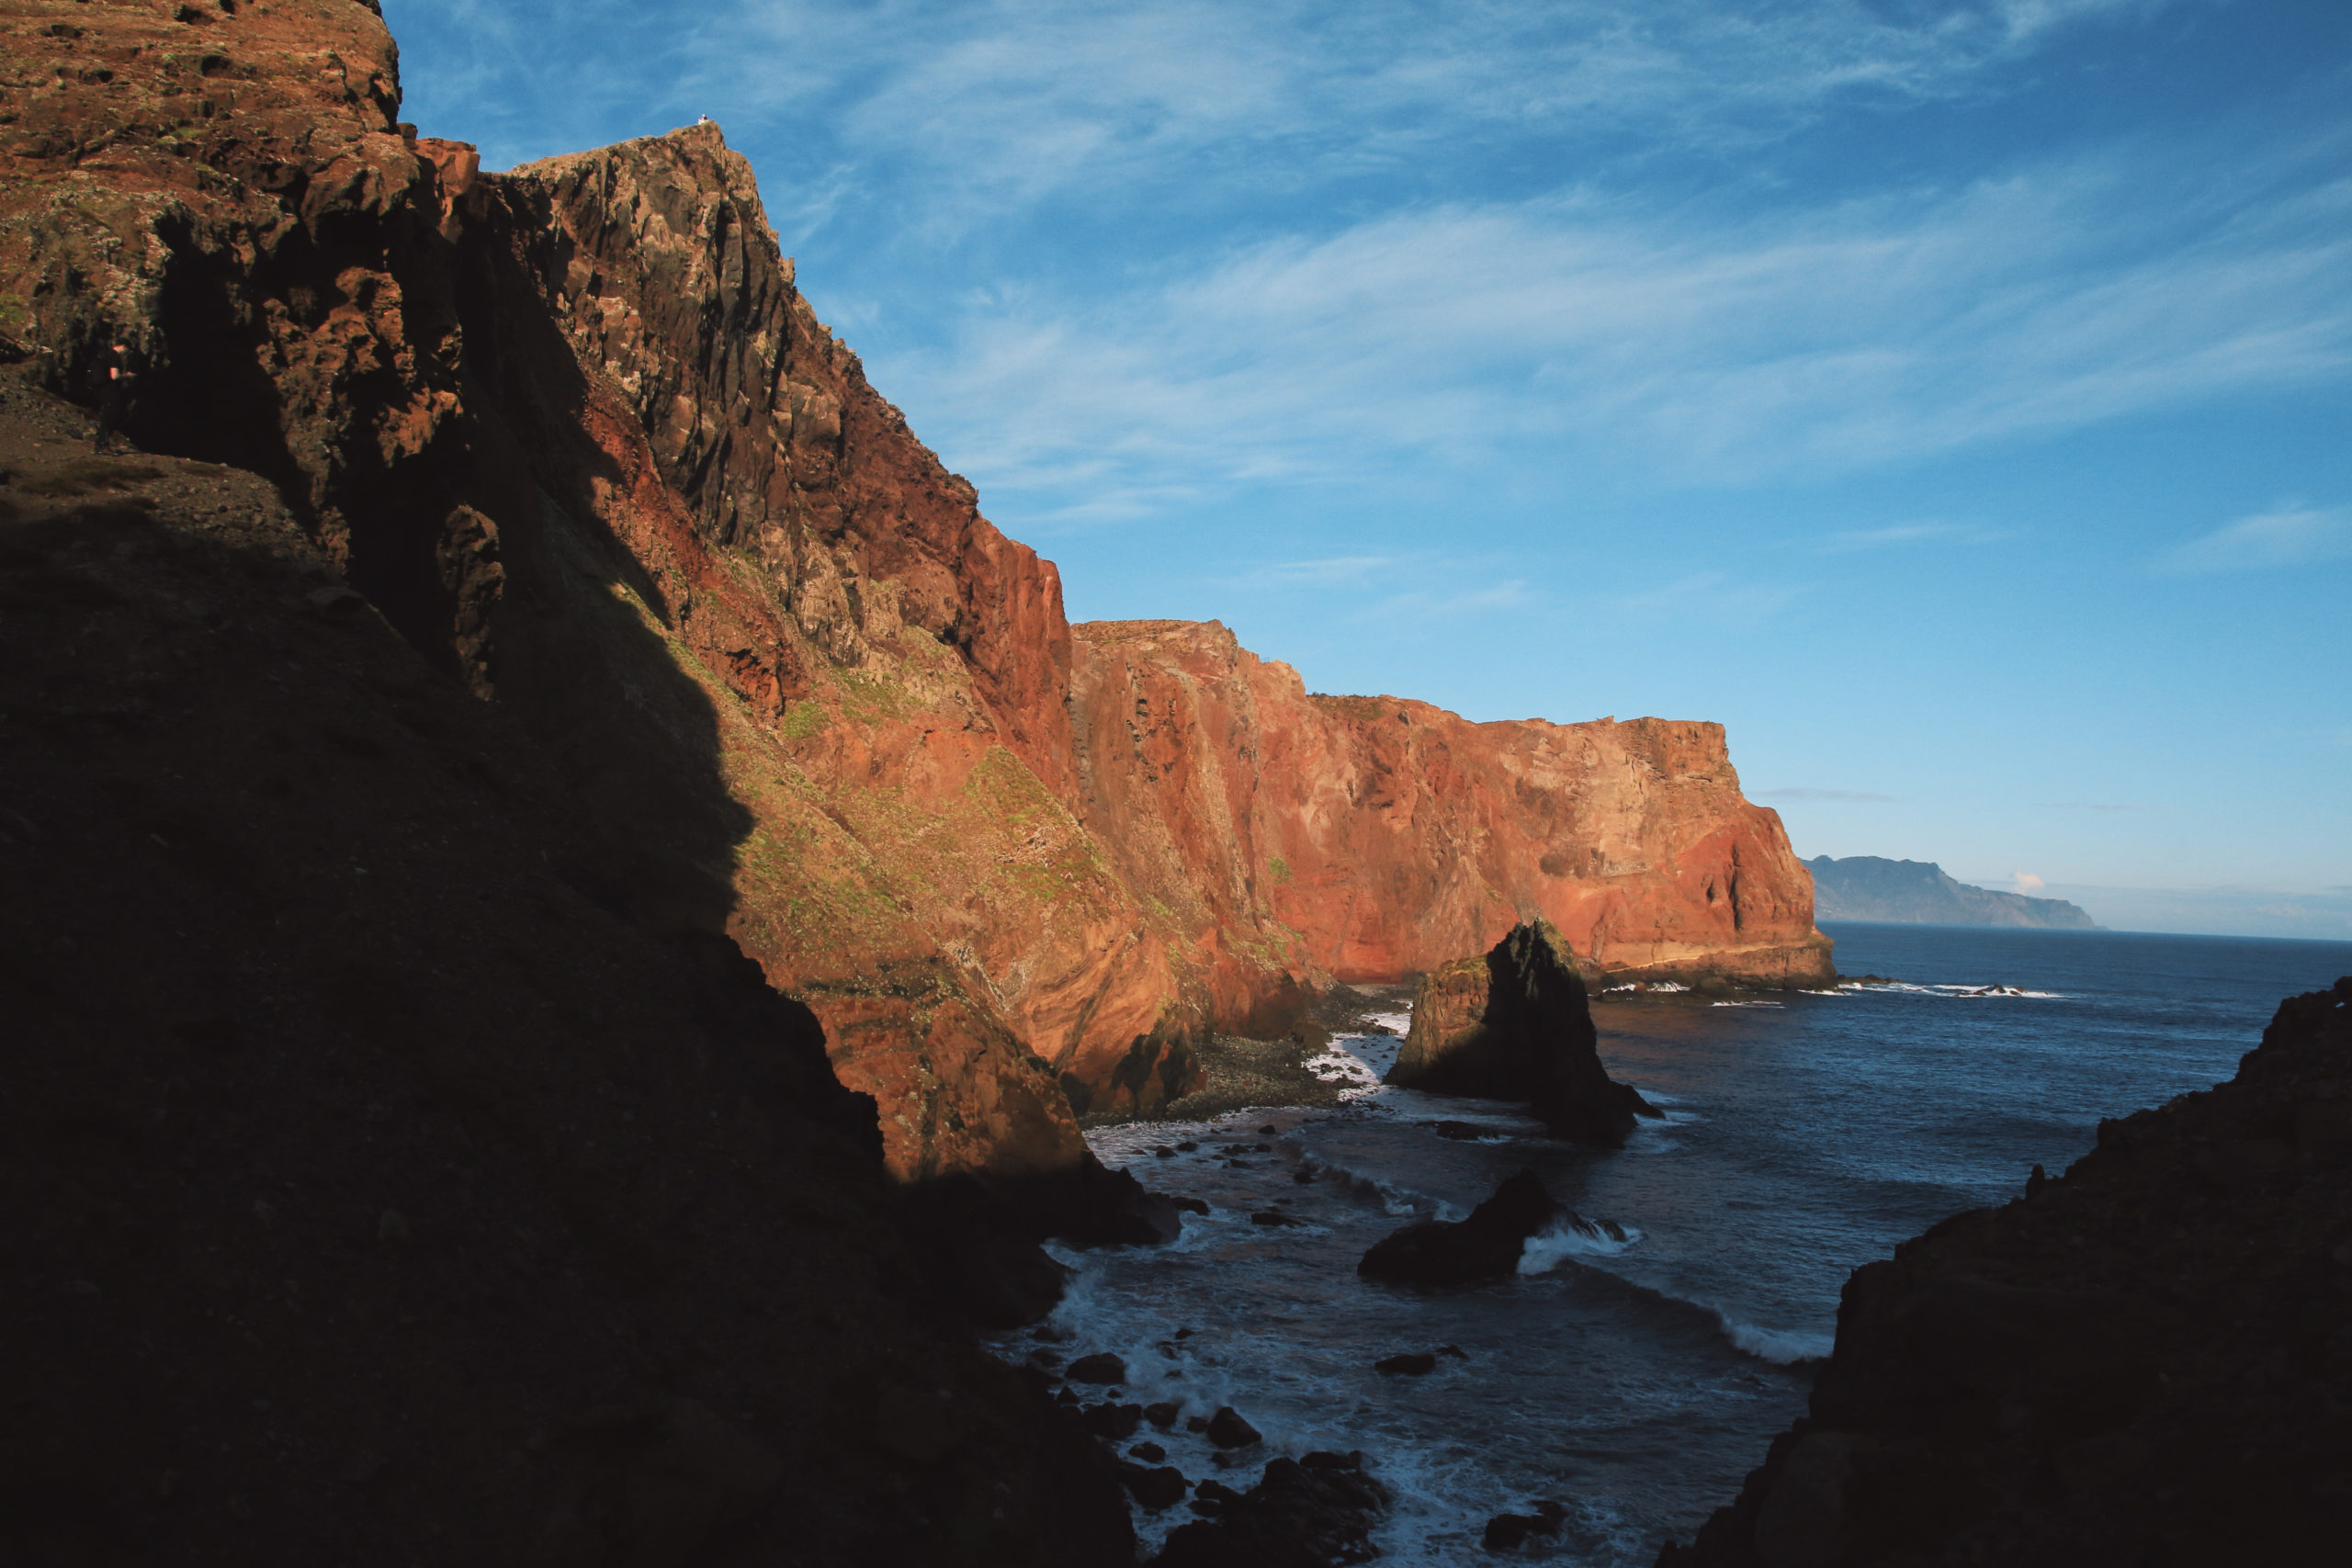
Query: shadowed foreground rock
x,y
1516,1025
1307,1512
2146,1360
1486,1246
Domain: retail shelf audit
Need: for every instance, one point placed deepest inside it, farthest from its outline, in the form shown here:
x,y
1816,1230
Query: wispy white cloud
x,y
992,104
1897,534
2025,882
1714,596
2288,536
1691,345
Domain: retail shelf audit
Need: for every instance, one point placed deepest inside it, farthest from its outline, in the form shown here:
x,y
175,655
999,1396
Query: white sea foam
x,y
1782,1346
1651,988
1746,1004
1958,993
1572,1235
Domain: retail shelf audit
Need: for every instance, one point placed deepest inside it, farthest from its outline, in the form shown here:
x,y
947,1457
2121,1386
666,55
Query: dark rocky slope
x,y
1516,1024
2145,1361
371,1189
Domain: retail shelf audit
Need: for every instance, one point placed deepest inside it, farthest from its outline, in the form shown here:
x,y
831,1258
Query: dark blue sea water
x,y
1636,1383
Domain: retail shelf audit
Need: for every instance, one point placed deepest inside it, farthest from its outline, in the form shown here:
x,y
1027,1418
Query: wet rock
x,y
1150,1453
1509,1532
1162,1415
1227,1429
2130,1364
1411,1364
1273,1217
1197,1423
1486,1246
1154,1488
1267,1131
1099,1368
1116,1422
1295,1516
1516,1024
1212,1496
1190,1205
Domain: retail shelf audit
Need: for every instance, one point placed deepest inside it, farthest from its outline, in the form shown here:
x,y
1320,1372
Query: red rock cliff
x,y
1365,837
575,430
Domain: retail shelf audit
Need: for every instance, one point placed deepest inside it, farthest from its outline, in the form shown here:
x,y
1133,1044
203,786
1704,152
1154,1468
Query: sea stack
x,y
1516,1024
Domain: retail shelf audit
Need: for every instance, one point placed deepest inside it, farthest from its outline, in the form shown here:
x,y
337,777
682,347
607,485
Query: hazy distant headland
x,y
1870,887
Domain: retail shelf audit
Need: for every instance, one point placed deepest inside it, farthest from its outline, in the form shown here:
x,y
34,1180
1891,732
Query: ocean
x,y
1635,1382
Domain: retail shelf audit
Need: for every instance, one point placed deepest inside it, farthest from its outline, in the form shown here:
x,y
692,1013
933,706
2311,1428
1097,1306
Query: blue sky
x,y
1952,399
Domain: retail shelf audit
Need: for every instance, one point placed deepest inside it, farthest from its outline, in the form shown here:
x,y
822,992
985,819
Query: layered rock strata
x,y
1368,837
2147,1360
1516,1024
575,432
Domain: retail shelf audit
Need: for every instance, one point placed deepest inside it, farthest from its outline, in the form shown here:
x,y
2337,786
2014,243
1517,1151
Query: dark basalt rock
x,y
1227,1429
1509,1532
1411,1364
1154,1488
1486,1246
2146,1360
1116,1422
1162,1415
1298,1516
1516,1024
1100,1368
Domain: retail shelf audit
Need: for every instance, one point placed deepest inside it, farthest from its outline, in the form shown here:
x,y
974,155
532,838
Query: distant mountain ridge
x,y
1870,887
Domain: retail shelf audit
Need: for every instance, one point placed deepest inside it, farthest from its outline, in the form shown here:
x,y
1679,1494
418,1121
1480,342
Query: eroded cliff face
x,y
575,432
1365,838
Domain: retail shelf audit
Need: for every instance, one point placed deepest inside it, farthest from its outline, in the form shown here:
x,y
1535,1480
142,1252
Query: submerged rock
x,y
1486,1246
1516,1024
1410,1363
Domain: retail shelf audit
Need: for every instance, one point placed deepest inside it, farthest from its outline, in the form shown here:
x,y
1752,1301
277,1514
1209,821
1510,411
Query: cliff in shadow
x,y
1867,888
373,1190
575,433
2147,1360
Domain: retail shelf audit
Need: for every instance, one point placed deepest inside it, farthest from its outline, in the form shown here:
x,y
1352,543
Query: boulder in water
x,y
1227,1429
1296,1514
1515,1024
1486,1246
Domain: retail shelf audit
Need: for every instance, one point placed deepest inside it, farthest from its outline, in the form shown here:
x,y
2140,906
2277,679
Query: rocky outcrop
x,y
574,431
2147,1360
1367,838
1486,1246
1515,1024
374,1188
1867,888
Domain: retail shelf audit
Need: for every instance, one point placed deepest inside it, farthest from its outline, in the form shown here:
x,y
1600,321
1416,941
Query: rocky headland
x,y
2147,1360
1516,1024
1869,887
568,889
575,433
